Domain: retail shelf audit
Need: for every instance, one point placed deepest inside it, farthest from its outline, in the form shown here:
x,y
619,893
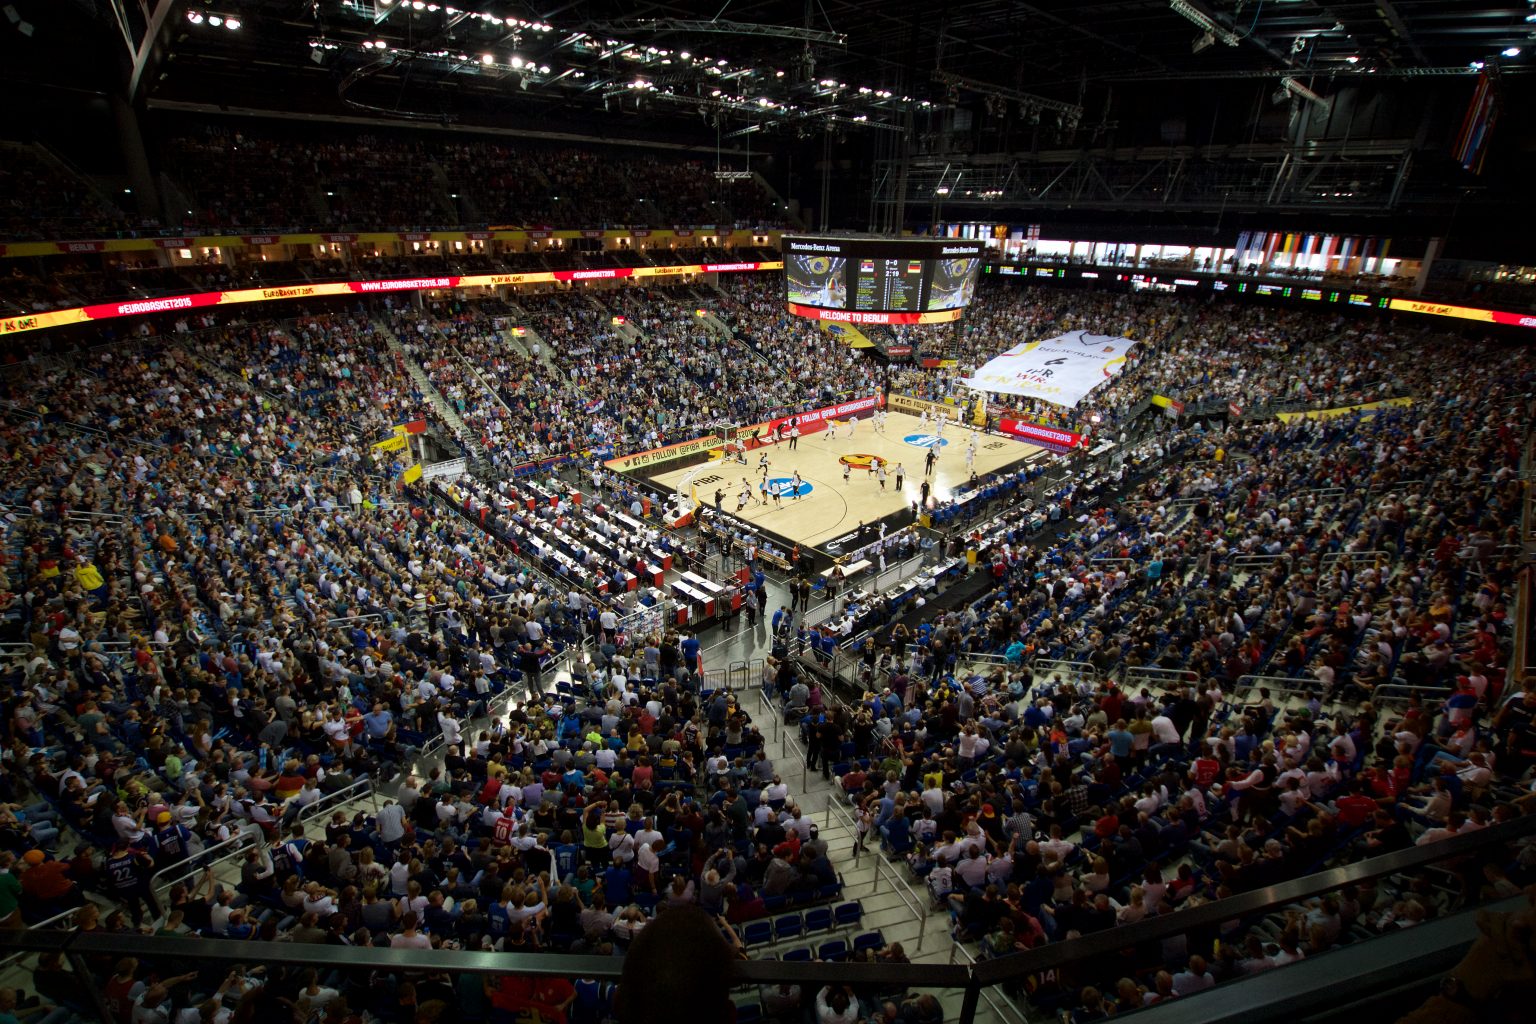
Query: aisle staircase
x,y
726,301
523,346
441,405
899,909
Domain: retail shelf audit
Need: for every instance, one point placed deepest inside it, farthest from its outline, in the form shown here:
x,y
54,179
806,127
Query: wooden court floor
x,y
831,507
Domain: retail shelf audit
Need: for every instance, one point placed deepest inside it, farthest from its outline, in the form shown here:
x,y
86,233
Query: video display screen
x,y
816,280
906,277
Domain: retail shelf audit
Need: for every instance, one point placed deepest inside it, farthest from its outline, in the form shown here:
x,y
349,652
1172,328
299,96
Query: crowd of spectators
x,y
1199,353
258,180
796,348
230,609
41,204
1358,565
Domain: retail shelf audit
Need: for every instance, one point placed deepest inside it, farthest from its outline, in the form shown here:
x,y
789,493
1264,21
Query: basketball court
x,y
827,507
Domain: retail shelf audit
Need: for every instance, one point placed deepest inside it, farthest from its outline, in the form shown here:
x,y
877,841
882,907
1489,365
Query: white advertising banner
x,y
1061,370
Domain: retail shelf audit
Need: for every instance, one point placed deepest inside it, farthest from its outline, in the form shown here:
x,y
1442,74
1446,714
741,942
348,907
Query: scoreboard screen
x,y
873,280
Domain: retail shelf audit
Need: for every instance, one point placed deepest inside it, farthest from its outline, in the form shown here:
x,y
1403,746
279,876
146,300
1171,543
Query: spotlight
x,y
518,62
1513,51
543,69
232,23
215,20
486,58
195,17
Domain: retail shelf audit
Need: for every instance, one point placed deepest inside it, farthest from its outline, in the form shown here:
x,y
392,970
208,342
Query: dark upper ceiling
x,y
863,63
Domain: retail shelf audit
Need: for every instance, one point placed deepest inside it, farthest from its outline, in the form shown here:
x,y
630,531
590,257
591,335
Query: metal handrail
x,y
362,787
181,871
1146,675
61,916
1361,559
971,979
569,965
882,864
1277,685
1249,562
986,994
1049,666
1218,912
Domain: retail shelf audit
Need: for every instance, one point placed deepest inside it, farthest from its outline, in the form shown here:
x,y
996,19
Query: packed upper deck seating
x,y
257,179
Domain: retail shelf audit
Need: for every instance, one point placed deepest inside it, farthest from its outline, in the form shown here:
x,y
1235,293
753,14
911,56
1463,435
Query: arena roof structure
x,y
851,63
907,112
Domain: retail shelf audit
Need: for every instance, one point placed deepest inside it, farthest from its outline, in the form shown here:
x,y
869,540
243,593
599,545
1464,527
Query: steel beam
x,y
732,28
1072,110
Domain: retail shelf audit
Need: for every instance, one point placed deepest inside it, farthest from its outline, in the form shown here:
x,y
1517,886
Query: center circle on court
x,y
925,440
785,487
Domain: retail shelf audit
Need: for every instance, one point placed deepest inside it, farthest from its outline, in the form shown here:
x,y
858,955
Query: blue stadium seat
x,y
835,950
755,933
868,940
788,927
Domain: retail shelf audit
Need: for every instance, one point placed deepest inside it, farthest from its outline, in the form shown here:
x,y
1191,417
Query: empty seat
x,y
788,926
755,933
848,915
818,919
834,950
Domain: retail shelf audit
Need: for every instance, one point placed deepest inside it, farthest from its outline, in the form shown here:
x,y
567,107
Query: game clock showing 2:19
x,y
914,280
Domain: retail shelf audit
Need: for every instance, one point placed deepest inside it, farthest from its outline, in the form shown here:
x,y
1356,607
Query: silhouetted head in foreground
x,y
679,968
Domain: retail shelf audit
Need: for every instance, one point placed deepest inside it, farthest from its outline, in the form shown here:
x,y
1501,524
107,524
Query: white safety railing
x,y
1280,687
211,857
449,469
882,868
361,788
1358,559
1070,671
57,921
1252,563
1150,676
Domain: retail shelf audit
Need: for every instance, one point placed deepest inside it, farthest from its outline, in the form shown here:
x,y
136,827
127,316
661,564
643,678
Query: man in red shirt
x,y
47,881
1354,809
